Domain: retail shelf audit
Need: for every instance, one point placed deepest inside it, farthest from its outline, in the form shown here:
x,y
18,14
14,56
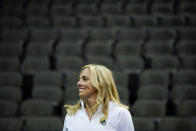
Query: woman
x,y
99,108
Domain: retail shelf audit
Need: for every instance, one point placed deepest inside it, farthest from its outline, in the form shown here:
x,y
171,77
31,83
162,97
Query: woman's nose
x,y
78,83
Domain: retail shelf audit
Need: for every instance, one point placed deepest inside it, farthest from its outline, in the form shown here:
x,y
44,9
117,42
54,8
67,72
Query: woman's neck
x,y
91,102
91,107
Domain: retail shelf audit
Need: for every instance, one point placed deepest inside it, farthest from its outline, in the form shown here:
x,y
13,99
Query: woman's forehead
x,y
85,72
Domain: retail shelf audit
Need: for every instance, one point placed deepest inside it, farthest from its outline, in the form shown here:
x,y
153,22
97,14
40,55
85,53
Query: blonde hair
x,y
102,79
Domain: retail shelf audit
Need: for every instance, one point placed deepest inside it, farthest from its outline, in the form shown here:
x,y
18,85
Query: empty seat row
x,y
178,93
158,77
70,86
135,34
31,124
55,124
107,21
141,107
29,108
163,124
125,49
147,77
157,108
165,62
54,93
109,8
123,60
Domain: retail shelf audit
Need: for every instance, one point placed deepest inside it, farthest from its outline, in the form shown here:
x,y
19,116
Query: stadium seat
x,y
39,49
72,78
187,34
43,124
8,109
72,35
18,36
174,124
69,63
9,64
167,63
64,22
13,79
137,1
102,34
110,1
191,20
86,21
123,94
163,1
53,95
186,48
98,48
60,10
149,108
128,48
154,77
11,22
111,8
117,21
187,8
184,77
187,108
69,48
162,34
71,93
181,93
38,2
63,2
48,78
173,21
131,64
9,11
43,35
35,64
162,8
36,10
146,122
32,107
136,9
156,48
37,22
188,62
11,124
9,50
145,21
103,60
85,9
133,34
120,78
88,1
11,93
153,93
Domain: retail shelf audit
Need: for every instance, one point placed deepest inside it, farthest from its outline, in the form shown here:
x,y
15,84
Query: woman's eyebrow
x,y
83,76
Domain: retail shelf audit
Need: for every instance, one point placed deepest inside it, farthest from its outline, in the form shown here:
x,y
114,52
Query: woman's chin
x,y
82,96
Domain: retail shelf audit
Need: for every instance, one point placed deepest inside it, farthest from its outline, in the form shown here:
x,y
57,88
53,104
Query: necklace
x,y
92,110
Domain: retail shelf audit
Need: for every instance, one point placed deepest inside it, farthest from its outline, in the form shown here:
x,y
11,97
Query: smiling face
x,y
86,89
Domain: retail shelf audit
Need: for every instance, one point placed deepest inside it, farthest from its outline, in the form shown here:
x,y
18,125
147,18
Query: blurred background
x,y
150,45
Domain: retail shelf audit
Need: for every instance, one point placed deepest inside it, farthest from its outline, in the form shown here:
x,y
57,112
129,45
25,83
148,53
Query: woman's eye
x,y
85,78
